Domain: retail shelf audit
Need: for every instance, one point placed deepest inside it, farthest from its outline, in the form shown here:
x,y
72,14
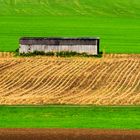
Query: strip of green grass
x,y
118,35
117,22
69,117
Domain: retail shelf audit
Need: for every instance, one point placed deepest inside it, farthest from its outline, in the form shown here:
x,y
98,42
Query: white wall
x,y
90,49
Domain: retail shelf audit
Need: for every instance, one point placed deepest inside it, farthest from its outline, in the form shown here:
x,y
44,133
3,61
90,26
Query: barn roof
x,y
59,38
58,41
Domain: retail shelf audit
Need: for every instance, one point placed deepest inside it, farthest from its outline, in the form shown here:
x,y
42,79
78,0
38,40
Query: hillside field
x,y
111,80
70,117
71,92
115,22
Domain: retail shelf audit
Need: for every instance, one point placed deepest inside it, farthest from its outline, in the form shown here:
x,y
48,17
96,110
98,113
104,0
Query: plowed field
x,y
111,80
68,134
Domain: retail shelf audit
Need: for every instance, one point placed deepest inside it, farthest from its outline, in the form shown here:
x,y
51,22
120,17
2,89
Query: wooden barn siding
x,y
90,49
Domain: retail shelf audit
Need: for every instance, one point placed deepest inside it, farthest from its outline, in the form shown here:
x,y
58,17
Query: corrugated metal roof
x,y
58,41
59,38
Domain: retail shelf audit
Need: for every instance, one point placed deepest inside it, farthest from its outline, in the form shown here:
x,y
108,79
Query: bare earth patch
x,y
68,134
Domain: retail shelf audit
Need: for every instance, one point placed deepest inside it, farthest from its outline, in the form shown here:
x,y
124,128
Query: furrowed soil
x,y
68,134
111,80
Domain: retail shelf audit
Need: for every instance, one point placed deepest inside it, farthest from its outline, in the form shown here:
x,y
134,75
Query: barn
x,y
79,45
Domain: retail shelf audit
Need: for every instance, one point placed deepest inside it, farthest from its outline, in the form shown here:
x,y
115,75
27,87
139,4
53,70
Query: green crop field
x,y
69,117
117,22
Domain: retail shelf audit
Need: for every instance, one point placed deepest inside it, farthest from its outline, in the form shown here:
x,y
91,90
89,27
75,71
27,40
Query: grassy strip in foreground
x,y
69,117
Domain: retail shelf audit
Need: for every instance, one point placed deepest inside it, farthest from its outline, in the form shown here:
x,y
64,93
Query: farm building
x,y
79,45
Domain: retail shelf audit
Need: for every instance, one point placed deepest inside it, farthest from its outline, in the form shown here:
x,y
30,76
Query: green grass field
x,y
70,117
117,22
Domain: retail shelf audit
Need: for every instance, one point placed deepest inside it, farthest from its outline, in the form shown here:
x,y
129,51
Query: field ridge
x,y
111,8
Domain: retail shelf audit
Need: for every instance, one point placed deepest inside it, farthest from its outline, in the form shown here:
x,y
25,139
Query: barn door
x,y
29,48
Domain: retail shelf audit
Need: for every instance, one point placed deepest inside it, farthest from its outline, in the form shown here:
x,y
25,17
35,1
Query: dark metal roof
x,y
58,41
60,38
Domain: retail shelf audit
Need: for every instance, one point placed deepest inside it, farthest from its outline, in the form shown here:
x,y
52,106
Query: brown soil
x,y
68,134
111,80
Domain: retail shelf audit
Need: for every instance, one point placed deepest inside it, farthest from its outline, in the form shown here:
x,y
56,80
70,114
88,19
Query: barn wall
x,y
90,49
